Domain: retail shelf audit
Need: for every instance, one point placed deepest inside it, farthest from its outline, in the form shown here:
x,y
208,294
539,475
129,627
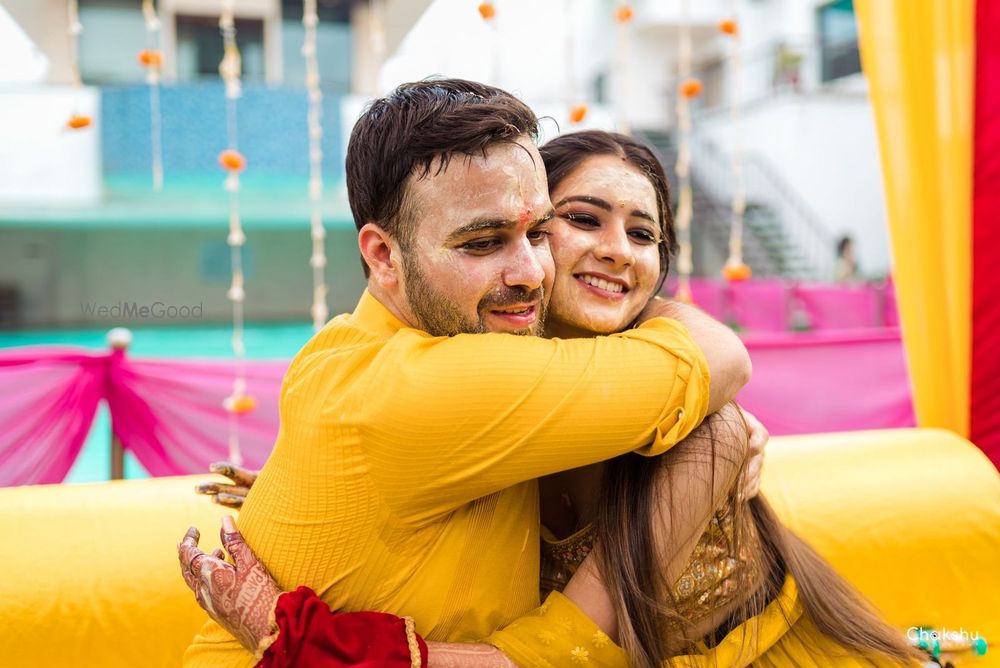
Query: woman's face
x,y
604,242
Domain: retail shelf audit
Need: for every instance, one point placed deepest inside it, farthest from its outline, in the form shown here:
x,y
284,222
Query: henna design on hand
x,y
231,495
239,596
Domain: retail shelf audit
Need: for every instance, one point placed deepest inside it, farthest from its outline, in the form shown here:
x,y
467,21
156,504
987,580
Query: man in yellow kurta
x,y
413,430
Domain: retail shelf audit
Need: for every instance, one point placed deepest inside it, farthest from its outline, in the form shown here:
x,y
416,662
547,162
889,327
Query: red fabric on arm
x,y
309,634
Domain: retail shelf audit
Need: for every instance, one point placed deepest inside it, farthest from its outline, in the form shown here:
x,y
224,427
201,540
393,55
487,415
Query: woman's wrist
x,y
466,655
272,631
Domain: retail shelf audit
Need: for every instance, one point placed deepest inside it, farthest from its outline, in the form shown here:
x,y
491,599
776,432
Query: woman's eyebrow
x,y
606,206
639,213
587,199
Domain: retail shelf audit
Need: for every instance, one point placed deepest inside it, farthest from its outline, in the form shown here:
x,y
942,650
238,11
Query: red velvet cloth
x,y
309,634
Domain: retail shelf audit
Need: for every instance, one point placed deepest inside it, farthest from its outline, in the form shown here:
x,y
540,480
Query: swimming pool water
x,y
263,341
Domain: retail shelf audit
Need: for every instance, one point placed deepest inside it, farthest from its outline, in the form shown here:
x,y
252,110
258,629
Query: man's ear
x,y
381,254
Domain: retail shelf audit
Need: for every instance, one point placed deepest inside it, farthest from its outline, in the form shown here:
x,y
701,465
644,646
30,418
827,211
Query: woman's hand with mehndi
x,y
231,494
239,596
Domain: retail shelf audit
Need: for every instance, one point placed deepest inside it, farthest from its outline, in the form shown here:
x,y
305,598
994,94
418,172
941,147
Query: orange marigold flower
x,y
624,14
241,404
728,26
736,272
578,113
150,58
487,10
77,122
691,88
232,161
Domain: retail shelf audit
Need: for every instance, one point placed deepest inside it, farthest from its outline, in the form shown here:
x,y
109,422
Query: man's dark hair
x,y
415,125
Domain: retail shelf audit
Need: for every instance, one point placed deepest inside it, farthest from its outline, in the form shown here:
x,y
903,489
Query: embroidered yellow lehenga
x,y
719,571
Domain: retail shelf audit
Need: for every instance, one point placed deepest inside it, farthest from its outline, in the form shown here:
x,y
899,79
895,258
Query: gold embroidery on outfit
x,y
716,573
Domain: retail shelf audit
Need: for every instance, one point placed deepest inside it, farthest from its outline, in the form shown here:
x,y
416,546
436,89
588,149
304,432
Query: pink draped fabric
x,y
48,398
169,413
828,381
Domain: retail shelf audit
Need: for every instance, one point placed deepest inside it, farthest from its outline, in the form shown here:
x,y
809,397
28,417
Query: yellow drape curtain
x,y
919,57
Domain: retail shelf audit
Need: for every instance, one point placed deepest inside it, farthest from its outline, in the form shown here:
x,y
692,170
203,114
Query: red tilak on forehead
x,y
524,216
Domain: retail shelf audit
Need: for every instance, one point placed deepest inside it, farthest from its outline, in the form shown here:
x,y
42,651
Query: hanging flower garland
x,y
688,89
577,109
79,121
735,269
488,12
623,17
151,58
75,121
376,33
232,161
317,260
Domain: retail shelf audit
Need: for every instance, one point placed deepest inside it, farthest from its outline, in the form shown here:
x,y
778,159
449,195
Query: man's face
x,y
479,260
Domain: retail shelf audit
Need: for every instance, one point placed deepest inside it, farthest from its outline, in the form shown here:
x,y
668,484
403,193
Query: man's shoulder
x,y
342,349
341,336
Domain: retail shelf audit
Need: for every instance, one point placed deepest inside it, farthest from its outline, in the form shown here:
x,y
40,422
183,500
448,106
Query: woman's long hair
x,y
634,565
637,569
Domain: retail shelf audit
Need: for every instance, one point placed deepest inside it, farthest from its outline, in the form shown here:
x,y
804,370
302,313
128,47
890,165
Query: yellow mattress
x,y
911,517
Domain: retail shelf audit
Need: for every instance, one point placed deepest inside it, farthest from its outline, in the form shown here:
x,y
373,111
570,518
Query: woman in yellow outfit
x,y
686,573
672,581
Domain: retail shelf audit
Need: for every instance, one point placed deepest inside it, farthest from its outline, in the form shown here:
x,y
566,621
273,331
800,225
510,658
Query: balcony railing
x,y
778,68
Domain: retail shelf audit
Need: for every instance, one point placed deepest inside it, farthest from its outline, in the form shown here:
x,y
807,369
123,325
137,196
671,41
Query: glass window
x,y
113,35
333,45
199,48
838,35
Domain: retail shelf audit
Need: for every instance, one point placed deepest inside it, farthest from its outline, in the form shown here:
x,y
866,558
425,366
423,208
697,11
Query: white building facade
x,y
807,132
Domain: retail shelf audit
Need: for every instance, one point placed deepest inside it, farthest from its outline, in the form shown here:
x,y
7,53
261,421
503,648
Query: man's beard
x,y
439,316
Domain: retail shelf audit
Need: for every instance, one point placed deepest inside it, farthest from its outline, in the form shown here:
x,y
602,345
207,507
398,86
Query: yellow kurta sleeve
x,y
444,421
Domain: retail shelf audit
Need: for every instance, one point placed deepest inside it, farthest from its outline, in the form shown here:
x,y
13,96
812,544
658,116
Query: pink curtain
x,y
48,397
169,414
828,381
